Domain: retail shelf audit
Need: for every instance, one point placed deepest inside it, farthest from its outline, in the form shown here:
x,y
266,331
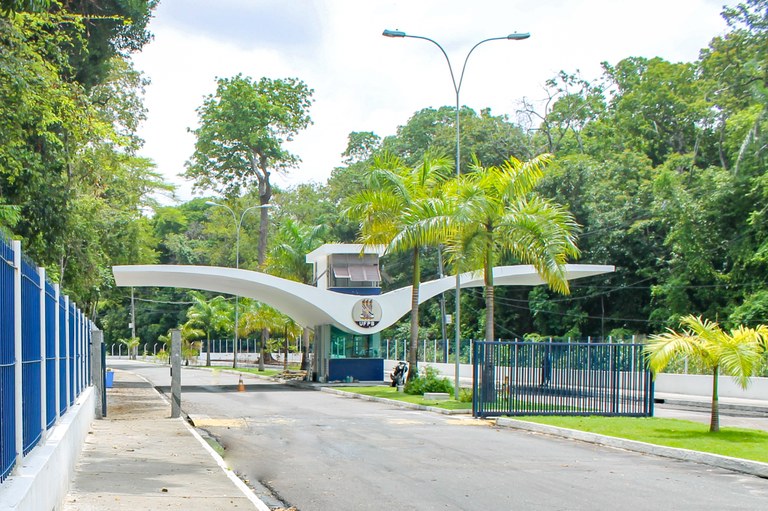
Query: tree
x,y
208,316
497,212
393,210
258,316
240,138
287,259
736,353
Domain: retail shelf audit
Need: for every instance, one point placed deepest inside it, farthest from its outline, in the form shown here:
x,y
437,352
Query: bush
x,y
429,381
465,395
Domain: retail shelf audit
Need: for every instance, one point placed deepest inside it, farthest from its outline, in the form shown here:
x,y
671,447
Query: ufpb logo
x,y
366,313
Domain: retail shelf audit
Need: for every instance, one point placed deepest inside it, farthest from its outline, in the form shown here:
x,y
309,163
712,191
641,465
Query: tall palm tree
x,y
496,212
737,353
287,259
394,209
209,316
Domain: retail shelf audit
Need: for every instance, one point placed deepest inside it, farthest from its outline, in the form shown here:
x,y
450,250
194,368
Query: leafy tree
x,y
496,212
240,138
736,353
491,138
392,210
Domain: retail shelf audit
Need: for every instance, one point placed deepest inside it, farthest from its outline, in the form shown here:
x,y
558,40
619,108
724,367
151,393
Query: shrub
x,y
465,395
429,381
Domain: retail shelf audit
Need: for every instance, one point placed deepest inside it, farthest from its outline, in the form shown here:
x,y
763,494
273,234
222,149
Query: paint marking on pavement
x,y
204,421
469,422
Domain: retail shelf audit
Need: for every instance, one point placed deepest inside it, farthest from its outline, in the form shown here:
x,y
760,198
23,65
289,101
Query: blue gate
x,y
557,378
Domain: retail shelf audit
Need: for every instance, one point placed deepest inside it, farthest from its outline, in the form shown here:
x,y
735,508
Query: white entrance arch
x,y
310,306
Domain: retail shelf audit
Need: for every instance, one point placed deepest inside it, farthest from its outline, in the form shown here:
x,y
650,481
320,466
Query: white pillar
x,y
97,337
43,361
57,348
68,370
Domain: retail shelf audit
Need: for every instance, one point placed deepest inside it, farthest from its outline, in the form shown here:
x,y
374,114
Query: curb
x,y
755,468
401,404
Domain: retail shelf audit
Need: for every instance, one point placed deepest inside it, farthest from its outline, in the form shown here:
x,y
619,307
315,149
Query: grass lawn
x,y
251,370
392,393
735,442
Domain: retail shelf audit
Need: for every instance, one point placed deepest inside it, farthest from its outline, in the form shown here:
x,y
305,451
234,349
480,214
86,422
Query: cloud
x,y
366,82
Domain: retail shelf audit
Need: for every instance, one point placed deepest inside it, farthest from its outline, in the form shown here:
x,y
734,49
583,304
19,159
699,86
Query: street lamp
x,y
457,88
238,226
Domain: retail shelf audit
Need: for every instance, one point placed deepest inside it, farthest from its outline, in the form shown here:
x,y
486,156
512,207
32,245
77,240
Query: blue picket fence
x,y
44,355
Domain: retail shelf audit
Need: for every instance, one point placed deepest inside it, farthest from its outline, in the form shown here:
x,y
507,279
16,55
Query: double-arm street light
x,y
457,89
238,226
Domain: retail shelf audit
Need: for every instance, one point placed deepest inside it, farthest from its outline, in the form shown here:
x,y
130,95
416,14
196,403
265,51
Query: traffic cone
x,y
240,385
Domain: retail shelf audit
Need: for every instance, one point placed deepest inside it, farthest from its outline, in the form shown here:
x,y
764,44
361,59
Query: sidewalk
x,y
139,459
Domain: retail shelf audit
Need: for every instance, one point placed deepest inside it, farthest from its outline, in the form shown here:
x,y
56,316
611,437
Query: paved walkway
x,y
140,459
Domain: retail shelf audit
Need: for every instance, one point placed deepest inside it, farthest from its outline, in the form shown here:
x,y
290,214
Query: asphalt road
x,y
321,452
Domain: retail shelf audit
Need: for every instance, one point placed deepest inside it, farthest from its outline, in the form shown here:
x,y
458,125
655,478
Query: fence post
x,y
57,347
97,371
67,354
175,374
43,361
19,395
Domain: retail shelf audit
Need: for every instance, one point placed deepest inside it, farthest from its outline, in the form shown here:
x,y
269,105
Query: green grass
x,y
747,444
392,393
251,370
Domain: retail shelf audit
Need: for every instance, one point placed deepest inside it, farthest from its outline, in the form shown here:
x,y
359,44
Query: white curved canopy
x,y
310,306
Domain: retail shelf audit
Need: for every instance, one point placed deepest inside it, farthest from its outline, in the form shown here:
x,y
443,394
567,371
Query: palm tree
x,y
258,316
395,209
736,353
209,316
287,259
496,212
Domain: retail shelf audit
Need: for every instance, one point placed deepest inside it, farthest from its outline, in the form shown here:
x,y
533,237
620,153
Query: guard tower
x,y
349,269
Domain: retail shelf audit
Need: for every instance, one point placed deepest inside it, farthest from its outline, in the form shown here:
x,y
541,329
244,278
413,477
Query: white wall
x,y
42,481
700,385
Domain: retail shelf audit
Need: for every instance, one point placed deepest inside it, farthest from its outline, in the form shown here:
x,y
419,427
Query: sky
x,y
363,81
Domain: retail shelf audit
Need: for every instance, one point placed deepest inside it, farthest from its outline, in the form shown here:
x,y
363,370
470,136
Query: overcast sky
x,y
366,82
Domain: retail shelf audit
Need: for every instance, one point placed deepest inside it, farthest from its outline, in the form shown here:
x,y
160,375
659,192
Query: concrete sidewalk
x,y
140,459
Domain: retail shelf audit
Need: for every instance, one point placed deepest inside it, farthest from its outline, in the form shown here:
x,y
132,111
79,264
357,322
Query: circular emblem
x,y
366,313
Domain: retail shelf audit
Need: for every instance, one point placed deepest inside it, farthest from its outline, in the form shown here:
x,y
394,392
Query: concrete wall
x,y
42,481
700,385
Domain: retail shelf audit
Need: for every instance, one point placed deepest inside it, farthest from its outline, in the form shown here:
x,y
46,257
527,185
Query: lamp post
x,y
238,226
457,89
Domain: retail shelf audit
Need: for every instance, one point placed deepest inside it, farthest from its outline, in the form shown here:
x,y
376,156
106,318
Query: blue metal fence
x,y
50,355
30,353
44,363
63,357
7,362
556,378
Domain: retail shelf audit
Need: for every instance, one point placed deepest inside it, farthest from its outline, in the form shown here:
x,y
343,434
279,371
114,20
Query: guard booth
x,y
342,355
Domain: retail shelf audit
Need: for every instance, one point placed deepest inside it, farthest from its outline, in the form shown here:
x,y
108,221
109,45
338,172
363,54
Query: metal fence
x,y
554,378
44,355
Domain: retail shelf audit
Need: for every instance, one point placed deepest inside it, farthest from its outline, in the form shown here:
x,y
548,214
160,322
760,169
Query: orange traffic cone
x,y
240,385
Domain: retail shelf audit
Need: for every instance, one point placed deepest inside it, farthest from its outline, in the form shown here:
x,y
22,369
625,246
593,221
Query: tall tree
x,y
497,212
287,259
392,210
243,127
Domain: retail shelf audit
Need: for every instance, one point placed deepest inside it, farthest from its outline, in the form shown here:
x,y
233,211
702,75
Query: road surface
x,y
318,452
